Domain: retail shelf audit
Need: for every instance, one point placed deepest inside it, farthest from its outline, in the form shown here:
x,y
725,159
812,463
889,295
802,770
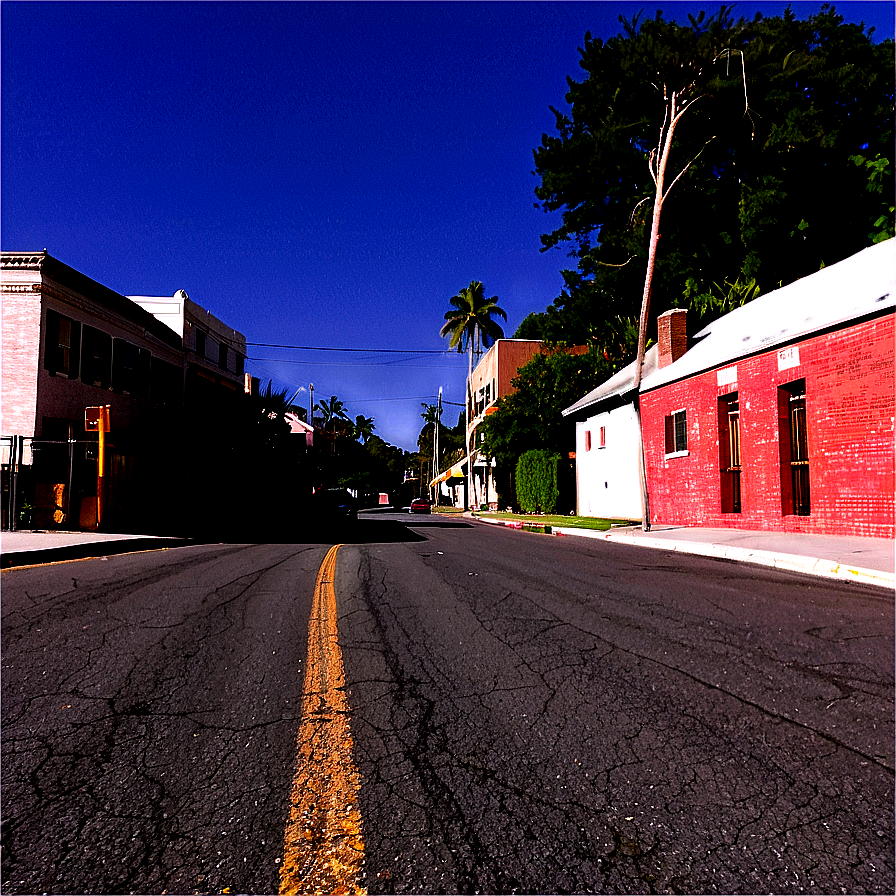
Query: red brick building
x,y
780,415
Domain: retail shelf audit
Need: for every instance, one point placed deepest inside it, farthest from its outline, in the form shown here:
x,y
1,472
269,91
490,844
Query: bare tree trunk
x,y
659,175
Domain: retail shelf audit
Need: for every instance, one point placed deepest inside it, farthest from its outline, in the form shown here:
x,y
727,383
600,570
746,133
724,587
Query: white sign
x,y
727,376
789,357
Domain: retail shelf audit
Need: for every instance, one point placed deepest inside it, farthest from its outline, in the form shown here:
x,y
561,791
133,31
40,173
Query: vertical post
x,y
14,484
102,427
71,465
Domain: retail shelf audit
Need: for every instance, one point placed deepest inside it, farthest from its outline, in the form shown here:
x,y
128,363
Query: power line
x,y
320,348
413,398
353,363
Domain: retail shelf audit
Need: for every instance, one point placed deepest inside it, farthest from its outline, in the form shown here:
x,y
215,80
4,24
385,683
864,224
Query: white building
x,y
608,483
608,443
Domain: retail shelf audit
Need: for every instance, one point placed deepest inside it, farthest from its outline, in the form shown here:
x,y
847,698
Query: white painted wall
x,y
608,483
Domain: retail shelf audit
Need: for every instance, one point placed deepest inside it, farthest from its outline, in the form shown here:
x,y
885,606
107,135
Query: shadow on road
x,y
435,522
363,531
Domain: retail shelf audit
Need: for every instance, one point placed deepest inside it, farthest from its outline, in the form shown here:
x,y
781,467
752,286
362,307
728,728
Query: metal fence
x,y
47,483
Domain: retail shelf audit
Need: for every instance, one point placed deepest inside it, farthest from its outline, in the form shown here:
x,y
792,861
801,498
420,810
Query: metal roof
x,y
616,385
856,287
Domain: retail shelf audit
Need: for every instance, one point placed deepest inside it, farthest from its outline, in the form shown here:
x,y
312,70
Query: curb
x,y
88,550
815,566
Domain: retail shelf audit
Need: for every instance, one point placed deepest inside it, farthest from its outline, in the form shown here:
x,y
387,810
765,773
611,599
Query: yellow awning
x,y
455,472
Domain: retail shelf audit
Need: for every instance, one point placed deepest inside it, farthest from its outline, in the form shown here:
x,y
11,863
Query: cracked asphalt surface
x,y
529,715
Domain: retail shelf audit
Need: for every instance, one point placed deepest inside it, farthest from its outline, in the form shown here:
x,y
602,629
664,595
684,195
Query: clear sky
x,y
314,174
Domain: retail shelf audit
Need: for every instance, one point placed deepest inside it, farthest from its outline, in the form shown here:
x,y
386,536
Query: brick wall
x,y
20,358
849,387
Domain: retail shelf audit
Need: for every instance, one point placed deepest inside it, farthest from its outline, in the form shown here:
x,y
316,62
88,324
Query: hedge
x,y
536,481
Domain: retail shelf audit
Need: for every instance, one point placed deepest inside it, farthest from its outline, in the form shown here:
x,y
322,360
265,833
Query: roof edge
x,y
877,309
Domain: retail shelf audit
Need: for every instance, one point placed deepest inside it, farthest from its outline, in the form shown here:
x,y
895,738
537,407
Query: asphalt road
x,y
528,714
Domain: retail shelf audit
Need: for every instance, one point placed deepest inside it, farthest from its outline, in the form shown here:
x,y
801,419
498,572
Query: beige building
x,y
70,343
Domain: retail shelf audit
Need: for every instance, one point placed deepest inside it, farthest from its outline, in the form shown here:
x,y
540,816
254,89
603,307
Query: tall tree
x,y
470,327
801,179
428,439
783,190
363,428
530,417
332,411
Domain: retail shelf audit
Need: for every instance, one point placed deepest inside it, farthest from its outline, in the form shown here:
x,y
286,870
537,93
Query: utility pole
x,y
311,407
435,448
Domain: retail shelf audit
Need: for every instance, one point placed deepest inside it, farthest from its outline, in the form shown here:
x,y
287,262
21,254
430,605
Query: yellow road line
x,y
323,847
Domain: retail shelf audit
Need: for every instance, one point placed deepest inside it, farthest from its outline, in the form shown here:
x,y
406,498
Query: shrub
x,y
536,481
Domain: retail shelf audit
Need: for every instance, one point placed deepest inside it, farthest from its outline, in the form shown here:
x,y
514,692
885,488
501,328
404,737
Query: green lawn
x,y
572,522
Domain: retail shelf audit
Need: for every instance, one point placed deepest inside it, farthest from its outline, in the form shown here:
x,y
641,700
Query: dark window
x,y
96,358
62,345
130,368
729,450
200,343
794,440
799,454
222,356
677,432
240,365
166,382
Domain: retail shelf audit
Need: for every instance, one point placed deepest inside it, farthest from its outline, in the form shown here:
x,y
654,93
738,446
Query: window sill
x,y
677,454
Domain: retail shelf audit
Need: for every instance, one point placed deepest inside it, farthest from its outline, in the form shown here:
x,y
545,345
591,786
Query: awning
x,y
455,472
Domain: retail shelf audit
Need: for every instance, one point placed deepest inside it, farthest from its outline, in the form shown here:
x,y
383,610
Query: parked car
x,y
421,505
332,504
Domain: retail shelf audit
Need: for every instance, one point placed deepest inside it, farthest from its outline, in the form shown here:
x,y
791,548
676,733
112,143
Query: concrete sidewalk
x,y
31,546
870,561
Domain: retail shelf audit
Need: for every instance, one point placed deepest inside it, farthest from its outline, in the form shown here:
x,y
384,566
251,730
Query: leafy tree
x,y
470,326
784,152
531,417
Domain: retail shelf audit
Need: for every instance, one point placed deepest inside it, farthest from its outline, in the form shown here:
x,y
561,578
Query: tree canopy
x,y
788,157
470,323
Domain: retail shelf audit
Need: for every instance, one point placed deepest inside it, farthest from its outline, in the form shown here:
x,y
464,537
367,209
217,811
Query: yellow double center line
x,y
323,848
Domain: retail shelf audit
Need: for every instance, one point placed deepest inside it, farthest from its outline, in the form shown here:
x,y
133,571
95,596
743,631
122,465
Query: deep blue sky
x,y
317,174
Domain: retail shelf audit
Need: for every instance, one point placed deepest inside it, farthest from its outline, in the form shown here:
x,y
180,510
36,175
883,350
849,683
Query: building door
x,y
729,449
799,454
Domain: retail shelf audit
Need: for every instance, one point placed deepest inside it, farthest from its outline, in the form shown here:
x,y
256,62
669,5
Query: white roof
x,y
853,288
618,384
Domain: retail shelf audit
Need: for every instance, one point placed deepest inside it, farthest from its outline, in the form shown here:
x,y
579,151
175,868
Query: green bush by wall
x,y
536,481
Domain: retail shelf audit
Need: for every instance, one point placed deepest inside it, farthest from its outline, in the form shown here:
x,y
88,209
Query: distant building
x,y
492,379
780,416
215,354
70,343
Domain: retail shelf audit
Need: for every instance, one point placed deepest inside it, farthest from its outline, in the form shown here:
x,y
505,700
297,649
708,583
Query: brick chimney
x,y
672,336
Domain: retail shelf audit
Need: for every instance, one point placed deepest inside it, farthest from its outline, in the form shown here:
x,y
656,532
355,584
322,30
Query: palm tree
x,y
331,411
432,416
363,428
470,327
